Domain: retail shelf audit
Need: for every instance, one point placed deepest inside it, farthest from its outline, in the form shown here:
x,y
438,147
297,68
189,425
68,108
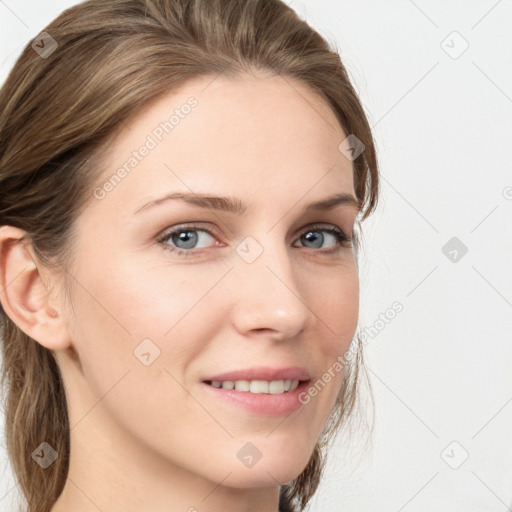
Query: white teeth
x,y
259,386
274,387
242,385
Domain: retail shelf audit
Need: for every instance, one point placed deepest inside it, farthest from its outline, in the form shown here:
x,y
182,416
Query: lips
x,y
278,401
262,373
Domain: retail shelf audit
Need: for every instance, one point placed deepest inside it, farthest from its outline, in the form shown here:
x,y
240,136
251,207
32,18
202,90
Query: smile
x,y
273,387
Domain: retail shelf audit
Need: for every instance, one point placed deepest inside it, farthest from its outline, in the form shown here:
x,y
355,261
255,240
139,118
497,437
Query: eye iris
x,y
315,237
188,237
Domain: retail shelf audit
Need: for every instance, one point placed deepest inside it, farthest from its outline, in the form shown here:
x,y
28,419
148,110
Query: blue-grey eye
x,y
188,239
315,238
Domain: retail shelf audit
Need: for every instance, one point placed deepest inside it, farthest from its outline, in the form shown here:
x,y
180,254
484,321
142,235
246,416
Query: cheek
x,y
144,297
337,309
122,315
124,309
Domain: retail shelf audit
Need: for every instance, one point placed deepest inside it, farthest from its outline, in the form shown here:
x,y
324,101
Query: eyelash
x,y
342,240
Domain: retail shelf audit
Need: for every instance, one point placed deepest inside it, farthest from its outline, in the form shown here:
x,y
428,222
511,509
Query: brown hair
x,y
56,113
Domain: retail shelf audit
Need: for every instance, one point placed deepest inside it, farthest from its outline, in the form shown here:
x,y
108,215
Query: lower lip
x,y
263,404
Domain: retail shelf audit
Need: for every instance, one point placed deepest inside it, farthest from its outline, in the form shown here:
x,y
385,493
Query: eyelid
x,y
184,227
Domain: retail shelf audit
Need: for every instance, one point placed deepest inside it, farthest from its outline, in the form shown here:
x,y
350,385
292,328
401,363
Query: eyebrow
x,y
236,206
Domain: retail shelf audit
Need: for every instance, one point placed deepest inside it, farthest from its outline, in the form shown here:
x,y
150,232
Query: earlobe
x,y
24,295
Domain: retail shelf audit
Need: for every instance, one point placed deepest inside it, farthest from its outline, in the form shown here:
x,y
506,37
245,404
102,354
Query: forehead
x,y
255,132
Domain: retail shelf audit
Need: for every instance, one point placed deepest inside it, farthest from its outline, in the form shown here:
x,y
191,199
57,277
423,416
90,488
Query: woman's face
x,y
168,295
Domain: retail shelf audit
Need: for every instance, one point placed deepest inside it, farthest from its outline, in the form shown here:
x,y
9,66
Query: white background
x,y
440,370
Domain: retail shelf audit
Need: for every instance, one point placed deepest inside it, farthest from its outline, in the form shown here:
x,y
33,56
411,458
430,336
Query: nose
x,y
270,295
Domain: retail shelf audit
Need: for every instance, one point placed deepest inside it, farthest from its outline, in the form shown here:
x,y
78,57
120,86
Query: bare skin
x,y
152,437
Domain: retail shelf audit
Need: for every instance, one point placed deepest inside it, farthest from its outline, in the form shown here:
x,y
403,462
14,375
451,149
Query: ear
x,y
24,295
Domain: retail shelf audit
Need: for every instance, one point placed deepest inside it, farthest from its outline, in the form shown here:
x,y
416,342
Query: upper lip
x,y
263,373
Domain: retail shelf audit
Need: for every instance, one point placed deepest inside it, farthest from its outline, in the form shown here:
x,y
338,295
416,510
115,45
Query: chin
x,y
269,476
275,467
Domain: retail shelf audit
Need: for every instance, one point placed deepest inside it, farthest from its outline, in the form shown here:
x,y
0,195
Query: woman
x,y
181,183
